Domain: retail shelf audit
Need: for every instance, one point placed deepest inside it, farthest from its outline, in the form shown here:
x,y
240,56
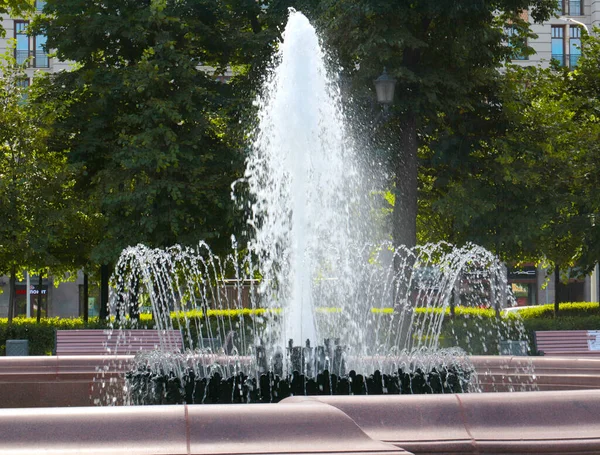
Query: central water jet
x,y
302,176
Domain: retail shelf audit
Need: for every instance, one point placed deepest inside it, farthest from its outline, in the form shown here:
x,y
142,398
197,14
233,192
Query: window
x,y
517,42
23,83
558,44
41,56
22,48
566,53
28,47
575,7
570,8
39,5
574,45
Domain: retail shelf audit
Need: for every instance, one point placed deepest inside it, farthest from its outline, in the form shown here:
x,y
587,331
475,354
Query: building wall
x,y
542,44
54,64
63,299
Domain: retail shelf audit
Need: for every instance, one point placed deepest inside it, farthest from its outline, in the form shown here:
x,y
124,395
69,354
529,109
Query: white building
x,y
560,37
28,48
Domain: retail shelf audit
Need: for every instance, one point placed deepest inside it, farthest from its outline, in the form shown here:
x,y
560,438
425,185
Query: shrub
x,y
476,330
41,336
577,309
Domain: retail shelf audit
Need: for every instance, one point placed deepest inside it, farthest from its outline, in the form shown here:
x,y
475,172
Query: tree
x,y
34,184
583,90
528,192
151,131
444,56
150,128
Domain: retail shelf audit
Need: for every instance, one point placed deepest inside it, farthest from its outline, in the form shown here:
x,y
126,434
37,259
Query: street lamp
x,y
385,86
570,19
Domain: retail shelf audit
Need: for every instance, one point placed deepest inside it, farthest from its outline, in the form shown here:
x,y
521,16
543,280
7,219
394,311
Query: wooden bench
x,y
131,341
568,342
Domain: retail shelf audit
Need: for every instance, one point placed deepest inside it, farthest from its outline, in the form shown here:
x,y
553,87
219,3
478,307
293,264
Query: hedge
x,y
476,330
41,336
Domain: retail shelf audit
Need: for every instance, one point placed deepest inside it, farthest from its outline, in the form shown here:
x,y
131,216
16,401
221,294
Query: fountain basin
x,y
528,422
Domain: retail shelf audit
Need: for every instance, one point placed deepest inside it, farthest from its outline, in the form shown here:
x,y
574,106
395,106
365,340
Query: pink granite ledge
x,y
301,428
75,380
499,423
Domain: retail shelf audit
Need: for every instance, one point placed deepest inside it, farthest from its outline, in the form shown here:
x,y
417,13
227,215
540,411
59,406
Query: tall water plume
x,y
302,178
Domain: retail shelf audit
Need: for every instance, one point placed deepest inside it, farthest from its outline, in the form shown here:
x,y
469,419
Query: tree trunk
x,y
557,286
39,299
404,230
86,291
104,277
134,305
12,293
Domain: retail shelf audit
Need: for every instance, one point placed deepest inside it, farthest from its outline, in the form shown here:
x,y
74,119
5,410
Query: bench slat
x,y
568,342
131,341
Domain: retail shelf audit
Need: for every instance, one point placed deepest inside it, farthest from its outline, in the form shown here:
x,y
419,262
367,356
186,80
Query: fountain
x,y
318,295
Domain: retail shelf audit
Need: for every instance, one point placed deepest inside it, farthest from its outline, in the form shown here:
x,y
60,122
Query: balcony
x,y
37,59
568,60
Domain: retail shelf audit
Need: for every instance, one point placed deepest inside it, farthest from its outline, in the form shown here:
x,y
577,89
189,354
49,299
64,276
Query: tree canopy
x,y
445,57
36,188
150,126
527,191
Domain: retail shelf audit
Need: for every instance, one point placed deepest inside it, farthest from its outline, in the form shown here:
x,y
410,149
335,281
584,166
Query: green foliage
x,y
41,221
41,336
524,184
476,330
445,58
152,132
567,310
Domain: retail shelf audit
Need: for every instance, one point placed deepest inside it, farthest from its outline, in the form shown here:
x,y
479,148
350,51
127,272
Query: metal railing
x,y
37,59
568,60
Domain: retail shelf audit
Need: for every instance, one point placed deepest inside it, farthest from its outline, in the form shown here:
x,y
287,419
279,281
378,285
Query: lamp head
x,y
385,87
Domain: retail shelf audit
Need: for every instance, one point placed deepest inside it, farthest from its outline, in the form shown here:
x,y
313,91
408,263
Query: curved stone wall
x,y
498,423
565,420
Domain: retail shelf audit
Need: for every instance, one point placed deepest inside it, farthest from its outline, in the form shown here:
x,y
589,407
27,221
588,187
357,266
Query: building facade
x,y
560,37
30,50
64,300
